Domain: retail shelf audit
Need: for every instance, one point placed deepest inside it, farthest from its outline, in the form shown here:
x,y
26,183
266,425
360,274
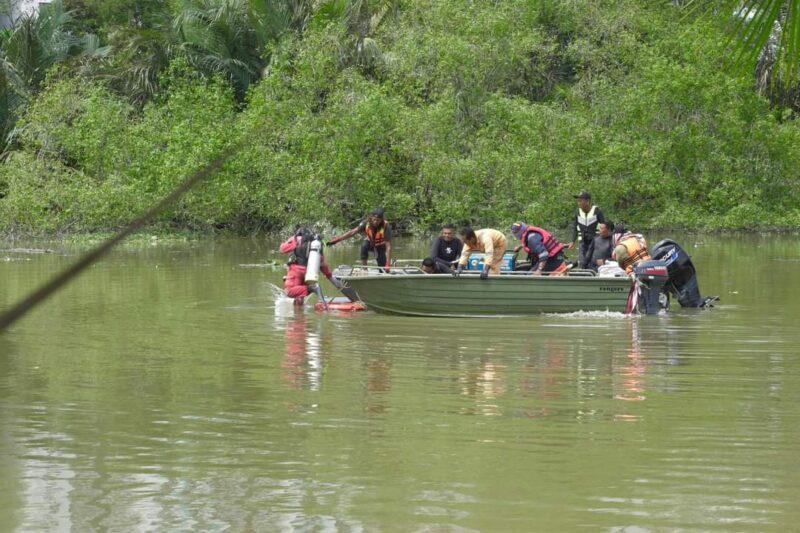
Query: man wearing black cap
x,y
585,224
378,238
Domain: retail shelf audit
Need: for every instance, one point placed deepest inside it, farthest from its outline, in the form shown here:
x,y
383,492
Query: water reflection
x,y
11,489
308,335
483,380
302,362
167,408
378,369
632,372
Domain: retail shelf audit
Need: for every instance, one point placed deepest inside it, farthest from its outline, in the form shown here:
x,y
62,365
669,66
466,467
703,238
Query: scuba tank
x,y
314,261
312,268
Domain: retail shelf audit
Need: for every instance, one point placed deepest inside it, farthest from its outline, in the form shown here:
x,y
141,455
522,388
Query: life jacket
x,y
587,222
637,250
377,236
550,243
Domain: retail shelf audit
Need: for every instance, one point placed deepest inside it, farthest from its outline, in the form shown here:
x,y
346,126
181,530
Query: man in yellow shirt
x,y
490,242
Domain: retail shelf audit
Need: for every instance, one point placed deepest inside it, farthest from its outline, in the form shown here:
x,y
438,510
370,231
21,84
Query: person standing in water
x,y
299,246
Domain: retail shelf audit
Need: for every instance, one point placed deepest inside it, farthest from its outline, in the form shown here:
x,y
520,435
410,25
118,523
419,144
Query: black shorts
x,y
553,263
585,252
380,252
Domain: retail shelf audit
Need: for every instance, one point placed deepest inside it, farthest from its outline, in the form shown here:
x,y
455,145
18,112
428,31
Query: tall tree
x,y
28,50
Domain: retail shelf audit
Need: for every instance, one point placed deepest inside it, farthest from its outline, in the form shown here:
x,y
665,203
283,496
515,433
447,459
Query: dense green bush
x,y
437,110
90,162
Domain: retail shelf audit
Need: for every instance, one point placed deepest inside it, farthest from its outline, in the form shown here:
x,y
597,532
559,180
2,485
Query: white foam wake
x,y
591,314
284,306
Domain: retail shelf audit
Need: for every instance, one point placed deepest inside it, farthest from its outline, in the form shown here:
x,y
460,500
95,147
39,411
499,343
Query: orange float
x,y
341,304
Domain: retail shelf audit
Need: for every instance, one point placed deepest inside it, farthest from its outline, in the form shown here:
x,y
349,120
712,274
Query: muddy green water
x,y
164,389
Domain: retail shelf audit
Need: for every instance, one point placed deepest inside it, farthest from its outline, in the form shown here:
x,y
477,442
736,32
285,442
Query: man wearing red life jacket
x,y
544,250
378,238
295,284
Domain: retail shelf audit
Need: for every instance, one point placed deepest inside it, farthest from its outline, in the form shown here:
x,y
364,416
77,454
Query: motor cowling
x,y
652,275
314,261
682,274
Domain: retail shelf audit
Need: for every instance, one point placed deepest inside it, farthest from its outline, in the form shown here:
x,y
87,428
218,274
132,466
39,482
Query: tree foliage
x,y
36,43
436,109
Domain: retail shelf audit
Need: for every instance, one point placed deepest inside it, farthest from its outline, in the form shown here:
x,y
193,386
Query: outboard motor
x,y
652,276
682,281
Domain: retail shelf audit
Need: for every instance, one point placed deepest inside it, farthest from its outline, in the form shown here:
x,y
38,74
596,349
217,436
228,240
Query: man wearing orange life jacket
x,y
378,238
544,251
630,249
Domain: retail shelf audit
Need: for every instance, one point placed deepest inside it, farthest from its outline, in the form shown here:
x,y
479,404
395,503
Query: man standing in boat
x,y
490,242
584,226
447,247
544,251
378,238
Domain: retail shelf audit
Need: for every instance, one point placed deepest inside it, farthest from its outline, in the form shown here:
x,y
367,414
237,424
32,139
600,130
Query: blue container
x,y
508,264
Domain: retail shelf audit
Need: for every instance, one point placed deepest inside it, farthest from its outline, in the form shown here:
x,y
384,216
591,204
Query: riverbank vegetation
x,y
438,110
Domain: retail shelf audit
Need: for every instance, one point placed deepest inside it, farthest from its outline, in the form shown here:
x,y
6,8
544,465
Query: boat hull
x,y
503,295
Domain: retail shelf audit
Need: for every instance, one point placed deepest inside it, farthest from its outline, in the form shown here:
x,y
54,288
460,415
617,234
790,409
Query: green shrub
x,y
483,111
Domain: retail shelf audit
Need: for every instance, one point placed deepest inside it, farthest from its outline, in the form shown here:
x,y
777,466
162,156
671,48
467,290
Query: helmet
x,y
518,228
304,233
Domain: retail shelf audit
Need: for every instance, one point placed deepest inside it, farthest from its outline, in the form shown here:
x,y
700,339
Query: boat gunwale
x,y
505,276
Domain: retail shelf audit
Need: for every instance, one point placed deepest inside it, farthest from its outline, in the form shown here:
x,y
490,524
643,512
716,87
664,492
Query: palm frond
x,y
760,30
224,37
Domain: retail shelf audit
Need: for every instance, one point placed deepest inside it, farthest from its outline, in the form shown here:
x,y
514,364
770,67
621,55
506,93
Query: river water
x,y
166,389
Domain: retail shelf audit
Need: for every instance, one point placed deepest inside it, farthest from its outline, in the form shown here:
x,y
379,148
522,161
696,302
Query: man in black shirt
x,y
584,230
447,247
435,266
603,244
